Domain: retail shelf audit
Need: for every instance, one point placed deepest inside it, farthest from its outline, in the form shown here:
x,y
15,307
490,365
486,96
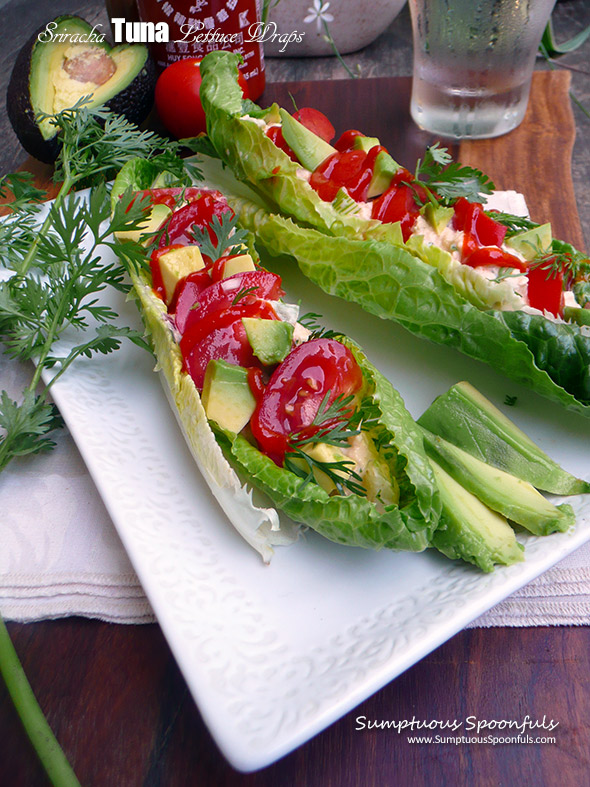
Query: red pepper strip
x,y
490,255
545,288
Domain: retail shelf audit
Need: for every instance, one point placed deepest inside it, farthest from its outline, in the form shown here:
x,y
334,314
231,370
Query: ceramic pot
x,y
355,24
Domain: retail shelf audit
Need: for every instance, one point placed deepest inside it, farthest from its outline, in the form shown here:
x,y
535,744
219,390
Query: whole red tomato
x,y
178,101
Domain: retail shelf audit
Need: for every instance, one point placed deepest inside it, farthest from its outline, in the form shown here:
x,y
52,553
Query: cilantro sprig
x,y
438,173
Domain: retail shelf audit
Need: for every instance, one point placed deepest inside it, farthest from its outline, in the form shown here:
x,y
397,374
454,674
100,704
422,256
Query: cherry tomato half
x,y
179,227
342,169
178,101
297,388
398,203
315,121
222,294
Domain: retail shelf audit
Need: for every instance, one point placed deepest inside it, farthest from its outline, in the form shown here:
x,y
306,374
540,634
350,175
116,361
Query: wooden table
x,y
120,708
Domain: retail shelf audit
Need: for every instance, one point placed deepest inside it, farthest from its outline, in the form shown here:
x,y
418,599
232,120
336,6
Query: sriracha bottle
x,y
197,27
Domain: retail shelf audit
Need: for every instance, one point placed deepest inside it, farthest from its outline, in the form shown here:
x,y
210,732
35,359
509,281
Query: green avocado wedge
x,y
359,260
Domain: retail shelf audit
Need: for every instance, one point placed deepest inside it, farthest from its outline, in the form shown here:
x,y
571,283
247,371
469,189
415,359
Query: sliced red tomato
x,y
275,134
346,169
545,288
346,140
221,295
315,121
398,203
187,294
218,319
491,255
227,342
479,229
179,227
295,391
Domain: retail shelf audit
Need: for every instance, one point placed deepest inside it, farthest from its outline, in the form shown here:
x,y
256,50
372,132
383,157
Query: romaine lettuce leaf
x,y
443,305
389,282
351,519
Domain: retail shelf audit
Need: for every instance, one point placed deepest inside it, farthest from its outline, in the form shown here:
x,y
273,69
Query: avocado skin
x,y
133,102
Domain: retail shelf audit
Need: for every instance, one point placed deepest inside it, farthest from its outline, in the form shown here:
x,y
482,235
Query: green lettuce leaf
x,y
351,519
391,283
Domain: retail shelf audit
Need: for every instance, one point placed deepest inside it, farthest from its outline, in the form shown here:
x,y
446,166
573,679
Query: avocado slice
x,y
365,143
383,172
226,396
470,530
532,242
158,215
49,76
270,340
177,264
437,216
310,149
515,499
577,314
465,418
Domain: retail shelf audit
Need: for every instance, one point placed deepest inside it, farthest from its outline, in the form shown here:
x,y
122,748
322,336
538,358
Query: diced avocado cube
x,y
532,242
153,222
383,172
241,263
227,397
322,452
464,417
365,143
470,530
515,499
177,264
437,215
270,340
310,149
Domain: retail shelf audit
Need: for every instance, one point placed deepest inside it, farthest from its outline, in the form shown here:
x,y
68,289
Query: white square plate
x,y
274,654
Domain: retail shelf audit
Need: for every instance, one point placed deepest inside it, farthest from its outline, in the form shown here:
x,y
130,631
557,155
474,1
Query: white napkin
x,y
60,554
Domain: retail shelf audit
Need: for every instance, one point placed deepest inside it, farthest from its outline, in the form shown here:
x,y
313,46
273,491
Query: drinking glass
x,y
473,63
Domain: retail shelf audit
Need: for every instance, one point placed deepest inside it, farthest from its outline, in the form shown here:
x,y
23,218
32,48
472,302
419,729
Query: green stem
x,y
44,742
336,52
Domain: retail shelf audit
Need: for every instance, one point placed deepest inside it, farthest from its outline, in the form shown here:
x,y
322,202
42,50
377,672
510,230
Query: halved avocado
x,y
49,76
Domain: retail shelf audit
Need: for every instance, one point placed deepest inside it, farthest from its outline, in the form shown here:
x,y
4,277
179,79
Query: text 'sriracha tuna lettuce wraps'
x,y
418,248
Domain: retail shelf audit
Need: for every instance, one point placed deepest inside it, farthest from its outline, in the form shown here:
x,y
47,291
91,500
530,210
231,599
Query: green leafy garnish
x,y
243,293
228,238
450,180
513,223
331,425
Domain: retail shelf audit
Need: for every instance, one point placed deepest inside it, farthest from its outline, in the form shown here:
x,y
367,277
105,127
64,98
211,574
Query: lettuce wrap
x,y
366,261
232,465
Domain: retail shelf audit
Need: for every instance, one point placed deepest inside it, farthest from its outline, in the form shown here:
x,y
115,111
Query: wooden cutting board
x,y
534,159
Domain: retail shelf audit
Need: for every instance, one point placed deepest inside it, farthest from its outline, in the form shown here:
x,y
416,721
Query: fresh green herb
x,y
510,401
59,293
513,223
506,273
242,293
331,425
567,263
228,238
437,172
